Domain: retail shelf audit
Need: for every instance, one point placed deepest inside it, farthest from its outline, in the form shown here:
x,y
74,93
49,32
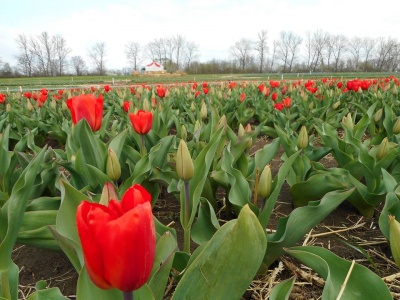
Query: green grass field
x,y
26,83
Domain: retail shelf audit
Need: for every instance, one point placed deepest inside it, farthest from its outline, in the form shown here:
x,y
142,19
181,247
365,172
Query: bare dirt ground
x,y
345,232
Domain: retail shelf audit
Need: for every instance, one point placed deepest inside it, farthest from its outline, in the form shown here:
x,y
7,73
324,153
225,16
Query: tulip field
x,y
245,189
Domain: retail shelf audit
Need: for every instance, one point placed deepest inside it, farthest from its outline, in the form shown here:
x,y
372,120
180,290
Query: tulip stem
x,y
143,145
128,295
5,285
186,237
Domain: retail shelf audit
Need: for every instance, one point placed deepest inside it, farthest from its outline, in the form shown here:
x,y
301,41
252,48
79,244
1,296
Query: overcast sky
x,y
214,25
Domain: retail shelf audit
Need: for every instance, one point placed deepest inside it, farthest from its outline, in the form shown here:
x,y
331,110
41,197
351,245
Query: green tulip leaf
x,y
164,257
224,269
289,232
45,294
282,290
206,223
358,281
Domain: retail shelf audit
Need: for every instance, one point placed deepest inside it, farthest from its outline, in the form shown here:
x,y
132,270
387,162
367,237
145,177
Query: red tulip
x,y
242,97
141,121
2,98
126,106
118,240
274,96
287,102
160,91
107,88
279,106
205,90
87,106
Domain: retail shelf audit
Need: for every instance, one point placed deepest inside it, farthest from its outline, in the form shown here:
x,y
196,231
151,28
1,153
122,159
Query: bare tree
x,y
97,54
47,45
190,53
25,58
287,49
241,50
261,47
318,44
339,46
78,64
132,50
179,42
275,45
61,51
355,46
155,50
368,46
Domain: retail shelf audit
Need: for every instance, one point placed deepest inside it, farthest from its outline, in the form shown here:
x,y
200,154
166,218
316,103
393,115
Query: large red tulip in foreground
x,y
89,107
118,240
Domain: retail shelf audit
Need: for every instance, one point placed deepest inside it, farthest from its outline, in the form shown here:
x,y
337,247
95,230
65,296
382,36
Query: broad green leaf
x,y
206,223
226,256
164,257
361,283
282,290
46,294
289,232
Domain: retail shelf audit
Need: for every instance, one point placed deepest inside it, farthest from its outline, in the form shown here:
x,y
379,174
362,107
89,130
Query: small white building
x,y
153,67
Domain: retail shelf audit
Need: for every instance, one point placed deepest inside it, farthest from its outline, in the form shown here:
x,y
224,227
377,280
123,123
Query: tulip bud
x,y
348,121
241,131
379,94
183,133
229,93
250,141
203,110
394,237
30,106
184,163
197,126
108,193
8,107
192,107
146,105
378,115
336,105
394,89
302,140
53,104
396,126
382,149
222,122
113,167
265,183
311,106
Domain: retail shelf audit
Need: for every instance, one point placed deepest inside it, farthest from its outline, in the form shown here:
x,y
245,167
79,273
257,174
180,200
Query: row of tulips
x,y
111,150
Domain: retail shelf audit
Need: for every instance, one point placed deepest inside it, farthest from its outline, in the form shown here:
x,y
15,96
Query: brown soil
x,y
344,232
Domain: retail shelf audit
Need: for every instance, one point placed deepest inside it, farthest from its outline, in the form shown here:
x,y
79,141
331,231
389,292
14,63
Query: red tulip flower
x,y
141,121
160,91
274,96
242,97
279,106
287,102
118,240
107,88
27,95
205,90
87,106
126,106
2,98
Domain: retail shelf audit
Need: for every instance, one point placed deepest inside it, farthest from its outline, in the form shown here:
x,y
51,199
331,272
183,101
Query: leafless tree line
x,y
319,51
174,53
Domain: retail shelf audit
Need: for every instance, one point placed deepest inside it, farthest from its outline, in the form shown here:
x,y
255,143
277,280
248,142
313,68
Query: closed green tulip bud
x,y
394,89
311,106
302,140
113,167
396,126
348,121
250,142
192,107
265,183
378,115
184,163
394,237
203,110
53,104
146,105
8,107
30,106
241,131
197,126
108,193
183,133
222,122
379,94
383,149
336,105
